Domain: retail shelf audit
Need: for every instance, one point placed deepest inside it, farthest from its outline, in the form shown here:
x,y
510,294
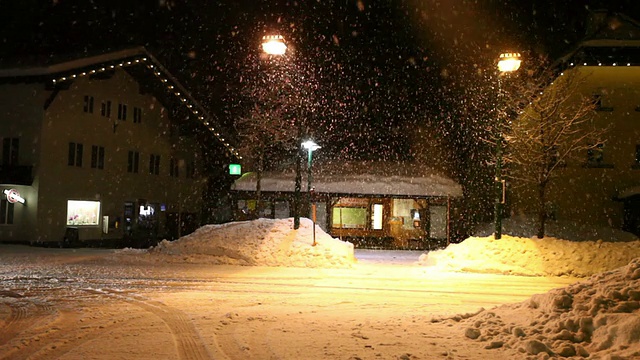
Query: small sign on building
x,y
235,169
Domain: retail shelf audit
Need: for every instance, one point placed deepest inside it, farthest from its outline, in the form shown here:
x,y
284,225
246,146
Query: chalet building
x,y
101,148
602,188
371,204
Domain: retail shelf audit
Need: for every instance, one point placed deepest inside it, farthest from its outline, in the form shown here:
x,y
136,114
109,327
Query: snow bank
x,y
261,242
598,318
533,256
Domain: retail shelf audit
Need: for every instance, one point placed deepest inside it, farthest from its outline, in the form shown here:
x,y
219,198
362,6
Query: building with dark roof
x,y
104,148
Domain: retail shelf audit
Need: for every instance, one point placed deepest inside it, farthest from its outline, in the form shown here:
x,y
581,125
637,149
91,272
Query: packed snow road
x,y
81,304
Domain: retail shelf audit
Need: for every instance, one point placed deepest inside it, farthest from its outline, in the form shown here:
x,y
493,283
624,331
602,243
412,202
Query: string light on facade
x,y
192,107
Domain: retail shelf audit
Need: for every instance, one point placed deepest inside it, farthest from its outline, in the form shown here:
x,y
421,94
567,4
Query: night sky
x,y
380,67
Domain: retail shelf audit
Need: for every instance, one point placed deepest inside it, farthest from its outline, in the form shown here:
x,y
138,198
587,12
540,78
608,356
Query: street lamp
x,y
273,45
311,147
508,62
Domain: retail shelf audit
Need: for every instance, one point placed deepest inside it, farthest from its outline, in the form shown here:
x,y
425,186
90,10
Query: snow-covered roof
x,y
359,178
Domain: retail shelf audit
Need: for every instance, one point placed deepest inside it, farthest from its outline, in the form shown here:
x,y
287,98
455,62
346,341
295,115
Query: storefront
x,y
372,210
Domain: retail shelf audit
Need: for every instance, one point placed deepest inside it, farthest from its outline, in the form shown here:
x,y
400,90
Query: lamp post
x,y
508,62
311,147
274,45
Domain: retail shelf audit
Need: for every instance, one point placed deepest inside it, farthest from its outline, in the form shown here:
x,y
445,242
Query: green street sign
x,y
235,169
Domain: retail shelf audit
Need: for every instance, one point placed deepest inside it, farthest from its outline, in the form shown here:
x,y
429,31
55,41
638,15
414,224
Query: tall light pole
x,y
274,45
508,62
311,147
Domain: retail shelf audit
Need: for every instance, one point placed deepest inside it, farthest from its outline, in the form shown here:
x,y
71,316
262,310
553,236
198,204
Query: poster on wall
x,y
83,212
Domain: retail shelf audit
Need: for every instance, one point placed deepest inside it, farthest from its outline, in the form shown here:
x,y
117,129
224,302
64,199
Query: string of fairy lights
x,y
171,85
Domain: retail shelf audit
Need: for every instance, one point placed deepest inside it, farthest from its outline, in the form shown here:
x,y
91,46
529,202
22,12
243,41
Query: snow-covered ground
x,y
595,317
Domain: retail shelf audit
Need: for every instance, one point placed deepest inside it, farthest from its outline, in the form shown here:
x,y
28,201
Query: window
x,y
636,164
137,115
97,157
154,164
595,157
133,162
600,103
75,154
6,212
88,104
80,212
376,216
595,154
174,168
10,149
191,169
122,112
349,217
105,110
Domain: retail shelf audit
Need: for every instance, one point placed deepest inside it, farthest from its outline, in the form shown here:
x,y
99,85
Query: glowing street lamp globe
x,y
509,62
273,45
310,145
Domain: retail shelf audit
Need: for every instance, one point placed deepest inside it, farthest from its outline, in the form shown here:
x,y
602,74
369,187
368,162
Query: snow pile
x,y
533,256
524,226
261,242
598,318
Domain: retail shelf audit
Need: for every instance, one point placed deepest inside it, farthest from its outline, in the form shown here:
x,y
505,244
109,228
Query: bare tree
x,y
280,96
554,123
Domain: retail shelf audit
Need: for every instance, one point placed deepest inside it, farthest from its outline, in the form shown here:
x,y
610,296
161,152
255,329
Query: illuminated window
x,y
637,154
81,212
349,217
376,216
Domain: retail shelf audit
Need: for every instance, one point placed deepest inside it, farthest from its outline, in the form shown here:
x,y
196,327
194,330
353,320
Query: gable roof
x,y
138,62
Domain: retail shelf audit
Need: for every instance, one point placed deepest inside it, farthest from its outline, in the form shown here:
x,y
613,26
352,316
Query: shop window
x,y
137,115
97,157
82,212
6,212
403,210
10,150
154,164
349,217
122,112
75,154
88,104
105,109
133,162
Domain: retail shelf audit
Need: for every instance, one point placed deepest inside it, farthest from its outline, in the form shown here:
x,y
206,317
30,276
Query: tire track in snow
x,y
189,344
